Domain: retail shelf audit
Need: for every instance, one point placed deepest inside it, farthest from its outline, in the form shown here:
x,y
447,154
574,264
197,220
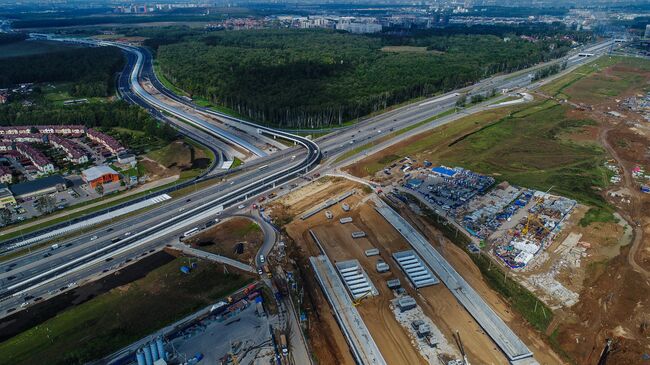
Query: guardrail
x,y
237,195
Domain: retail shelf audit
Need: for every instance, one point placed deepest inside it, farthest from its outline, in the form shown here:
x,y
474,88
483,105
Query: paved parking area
x,y
74,195
246,334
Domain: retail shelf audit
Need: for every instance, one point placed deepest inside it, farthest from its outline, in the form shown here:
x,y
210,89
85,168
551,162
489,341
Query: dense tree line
x,y
102,115
306,79
90,69
6,38
401,36
548,71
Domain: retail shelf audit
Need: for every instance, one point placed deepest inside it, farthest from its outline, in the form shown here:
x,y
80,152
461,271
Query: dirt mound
x,y
613,305
224,238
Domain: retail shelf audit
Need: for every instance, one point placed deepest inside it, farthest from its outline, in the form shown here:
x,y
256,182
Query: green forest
x,y
91,70
320,78
92,73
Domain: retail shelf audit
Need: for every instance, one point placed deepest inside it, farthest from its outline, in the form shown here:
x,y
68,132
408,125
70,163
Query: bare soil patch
x,y
230,235
437,301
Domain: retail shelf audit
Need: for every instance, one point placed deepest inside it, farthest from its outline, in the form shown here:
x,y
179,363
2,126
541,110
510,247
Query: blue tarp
x,y
444,171
414,183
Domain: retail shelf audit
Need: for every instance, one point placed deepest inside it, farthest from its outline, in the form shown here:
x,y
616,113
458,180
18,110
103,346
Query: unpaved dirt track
x,y
634,214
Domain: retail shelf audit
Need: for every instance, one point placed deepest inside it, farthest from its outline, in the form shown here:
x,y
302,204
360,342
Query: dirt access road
x,y
634,215
437,302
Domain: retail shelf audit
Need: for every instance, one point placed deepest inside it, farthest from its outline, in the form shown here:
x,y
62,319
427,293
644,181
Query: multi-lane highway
x,y
42,272
47,272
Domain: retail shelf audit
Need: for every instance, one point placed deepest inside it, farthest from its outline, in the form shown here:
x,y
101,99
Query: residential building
x,y
5,175
72,151
64,130
29,138
355,27
6,196
37,158
126,158
6,146
107,141
13,130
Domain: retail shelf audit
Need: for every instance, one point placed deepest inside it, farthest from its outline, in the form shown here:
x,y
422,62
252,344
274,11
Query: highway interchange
x,y
46,272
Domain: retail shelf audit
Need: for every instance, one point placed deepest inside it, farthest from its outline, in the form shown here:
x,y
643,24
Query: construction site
x,y
395,297
583,138
515,224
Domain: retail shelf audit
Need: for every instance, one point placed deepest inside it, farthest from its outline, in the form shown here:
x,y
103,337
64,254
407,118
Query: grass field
x,y
427,141
236,163
519,144
60,92
30,48
523,149
604,78
121,316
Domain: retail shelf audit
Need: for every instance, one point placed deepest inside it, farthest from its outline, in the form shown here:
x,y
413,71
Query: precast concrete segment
x,y
213,257
492,324
363,346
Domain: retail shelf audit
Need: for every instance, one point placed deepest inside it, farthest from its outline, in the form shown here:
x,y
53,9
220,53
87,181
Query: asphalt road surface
x,y
33,268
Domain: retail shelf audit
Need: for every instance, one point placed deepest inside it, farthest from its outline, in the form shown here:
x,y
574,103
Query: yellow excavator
x,y
358,301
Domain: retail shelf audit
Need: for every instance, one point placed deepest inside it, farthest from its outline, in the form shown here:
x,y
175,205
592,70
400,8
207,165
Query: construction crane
x,y
358,301
537,201
459,342
536,219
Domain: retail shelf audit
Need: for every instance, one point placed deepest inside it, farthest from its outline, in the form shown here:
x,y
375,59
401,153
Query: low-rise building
x,y
126,158
6,146
5,175
38,187
72,151
13,130
29,138
107,141
37,158
406,303
64,130
6,196
98,175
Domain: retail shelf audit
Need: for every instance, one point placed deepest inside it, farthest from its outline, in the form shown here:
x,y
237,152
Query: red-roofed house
x,y
107,141
37,158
